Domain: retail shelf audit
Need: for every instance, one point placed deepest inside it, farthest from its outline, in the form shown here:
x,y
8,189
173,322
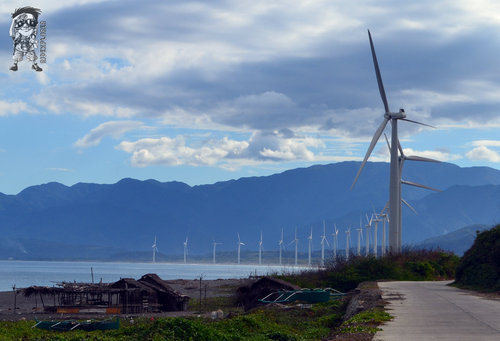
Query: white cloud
x,y
59,169
115,129
488,143
12,108
225,153
483,153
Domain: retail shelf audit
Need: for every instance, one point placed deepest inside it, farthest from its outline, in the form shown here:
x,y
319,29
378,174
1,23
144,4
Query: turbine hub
x,y
395,115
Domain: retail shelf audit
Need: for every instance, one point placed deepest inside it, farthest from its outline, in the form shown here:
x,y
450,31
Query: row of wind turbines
x,y
392,211
370,248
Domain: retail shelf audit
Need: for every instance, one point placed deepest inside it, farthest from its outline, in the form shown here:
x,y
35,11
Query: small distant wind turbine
x,y
310,246
281,245
296,241
185,250
376,220
215,245
323,240
385,217
155,250
360,236
239,246
367,241
347,240
335,241
261,247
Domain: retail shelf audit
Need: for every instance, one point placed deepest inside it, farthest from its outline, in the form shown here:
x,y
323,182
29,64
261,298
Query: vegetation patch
x,y
411,265
479,268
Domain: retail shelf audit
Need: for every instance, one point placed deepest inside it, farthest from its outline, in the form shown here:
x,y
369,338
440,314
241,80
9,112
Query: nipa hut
x,y
249,295
148,294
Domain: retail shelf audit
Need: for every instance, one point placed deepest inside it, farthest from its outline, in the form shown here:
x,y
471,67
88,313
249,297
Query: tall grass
x,y
410,265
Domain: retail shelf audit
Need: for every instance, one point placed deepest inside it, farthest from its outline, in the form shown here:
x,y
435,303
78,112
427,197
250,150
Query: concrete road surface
x,y
435,311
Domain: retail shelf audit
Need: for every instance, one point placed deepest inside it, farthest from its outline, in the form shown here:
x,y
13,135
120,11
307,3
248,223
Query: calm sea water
x,y
26,273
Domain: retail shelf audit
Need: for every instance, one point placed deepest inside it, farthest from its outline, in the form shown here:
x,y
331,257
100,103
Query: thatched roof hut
x,y
248,295
148,294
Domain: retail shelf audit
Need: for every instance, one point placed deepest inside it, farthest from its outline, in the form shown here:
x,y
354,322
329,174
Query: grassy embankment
x,y
273,323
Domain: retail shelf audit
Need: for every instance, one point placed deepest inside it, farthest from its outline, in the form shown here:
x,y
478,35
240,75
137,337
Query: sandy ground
x,y
29,308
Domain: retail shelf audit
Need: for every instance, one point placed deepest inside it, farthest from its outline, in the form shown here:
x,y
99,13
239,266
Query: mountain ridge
x,y
129,213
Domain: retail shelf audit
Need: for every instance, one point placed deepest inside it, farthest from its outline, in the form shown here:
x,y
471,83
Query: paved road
x,y
435,311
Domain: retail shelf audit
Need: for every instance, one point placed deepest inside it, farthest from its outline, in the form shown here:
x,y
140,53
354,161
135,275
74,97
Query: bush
x,y
479,268
410,265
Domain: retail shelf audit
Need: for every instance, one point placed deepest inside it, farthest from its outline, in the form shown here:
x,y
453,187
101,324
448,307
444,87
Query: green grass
x,y
365,322
265,323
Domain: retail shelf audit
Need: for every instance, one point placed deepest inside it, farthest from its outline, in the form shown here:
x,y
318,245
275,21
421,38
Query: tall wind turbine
x,y
155,250
296,241
281,245
360,236
394,178
239,246
310,246
260,249
215,245
323,240
185,249
402,159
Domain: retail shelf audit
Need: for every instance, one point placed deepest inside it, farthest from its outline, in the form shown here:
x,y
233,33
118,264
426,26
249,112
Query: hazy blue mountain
x,y
128,214
457,241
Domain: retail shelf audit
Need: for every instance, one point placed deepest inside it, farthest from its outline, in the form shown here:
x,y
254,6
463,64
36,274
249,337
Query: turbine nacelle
x,y
395,115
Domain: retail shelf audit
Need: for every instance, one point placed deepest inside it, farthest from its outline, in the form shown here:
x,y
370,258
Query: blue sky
x,y
201,92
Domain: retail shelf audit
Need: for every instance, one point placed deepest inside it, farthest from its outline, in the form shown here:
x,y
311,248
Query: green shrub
x,y
479,268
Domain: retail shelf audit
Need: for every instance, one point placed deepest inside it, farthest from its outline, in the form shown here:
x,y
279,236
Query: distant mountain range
x,y
457,241
92,219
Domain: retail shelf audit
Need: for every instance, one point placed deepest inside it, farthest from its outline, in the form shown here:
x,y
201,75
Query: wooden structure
x,y
148,294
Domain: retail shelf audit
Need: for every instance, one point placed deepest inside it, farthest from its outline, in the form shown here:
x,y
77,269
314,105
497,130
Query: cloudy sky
x,y
201,92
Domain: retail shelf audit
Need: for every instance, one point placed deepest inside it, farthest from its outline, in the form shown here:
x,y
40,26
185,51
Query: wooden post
x,y
15,297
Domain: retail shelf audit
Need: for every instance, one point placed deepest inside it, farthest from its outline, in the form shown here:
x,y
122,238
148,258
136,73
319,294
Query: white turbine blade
x,y
370,148
419,185
401,149
423,124
409,206
238,237
379,77
388,144
420,158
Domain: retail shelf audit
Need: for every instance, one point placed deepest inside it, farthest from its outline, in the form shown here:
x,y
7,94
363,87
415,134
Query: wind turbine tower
x,y
347,239
368,226
384,247
335,242
155,250
215,245
185,250
310,246
375,233
239,246
281,245
260,249
395,176
296,241
323,240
